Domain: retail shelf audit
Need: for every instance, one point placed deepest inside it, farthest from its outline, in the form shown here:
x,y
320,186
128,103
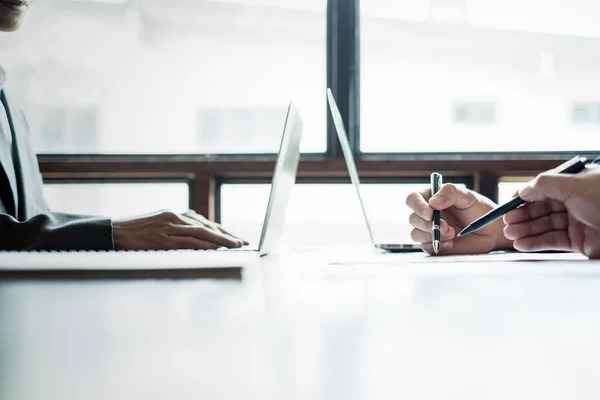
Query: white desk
x,y
297,328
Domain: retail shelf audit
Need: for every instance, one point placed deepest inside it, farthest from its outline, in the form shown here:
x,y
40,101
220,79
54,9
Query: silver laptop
x,y
343,138
284,178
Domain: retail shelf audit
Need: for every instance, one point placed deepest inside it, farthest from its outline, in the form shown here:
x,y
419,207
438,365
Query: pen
x,y
573,166
436,184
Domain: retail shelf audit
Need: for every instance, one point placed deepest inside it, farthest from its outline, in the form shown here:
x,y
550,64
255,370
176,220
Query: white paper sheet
x,y
370,256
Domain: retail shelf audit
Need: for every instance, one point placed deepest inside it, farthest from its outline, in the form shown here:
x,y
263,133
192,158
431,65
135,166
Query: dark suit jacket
x,y
26,223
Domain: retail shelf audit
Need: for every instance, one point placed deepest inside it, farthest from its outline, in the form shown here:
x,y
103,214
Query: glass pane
x,y
586,113
480,75
116,199
157,76
508,188
322,214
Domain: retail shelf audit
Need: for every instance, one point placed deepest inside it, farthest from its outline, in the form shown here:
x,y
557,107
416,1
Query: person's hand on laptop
x,y
562,214
459,207
166,230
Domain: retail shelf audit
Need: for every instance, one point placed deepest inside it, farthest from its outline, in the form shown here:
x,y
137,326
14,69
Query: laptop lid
x,y
343,138
284,178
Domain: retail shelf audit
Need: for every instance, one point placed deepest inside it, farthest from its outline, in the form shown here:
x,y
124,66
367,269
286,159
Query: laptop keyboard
x,y
243,248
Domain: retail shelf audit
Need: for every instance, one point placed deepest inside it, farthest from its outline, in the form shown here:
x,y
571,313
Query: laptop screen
x,y
343,138
284,178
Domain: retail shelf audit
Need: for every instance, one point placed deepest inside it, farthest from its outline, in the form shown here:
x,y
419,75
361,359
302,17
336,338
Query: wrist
x,y
112,235
117,232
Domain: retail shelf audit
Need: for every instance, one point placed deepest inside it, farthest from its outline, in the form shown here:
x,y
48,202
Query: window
x,y
152,65
145,88
474,113
322,214
254,130
508,186
116,199
586,113
69,129
448,10
524,60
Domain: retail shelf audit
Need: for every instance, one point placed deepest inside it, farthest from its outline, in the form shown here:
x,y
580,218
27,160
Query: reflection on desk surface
x,y
293,330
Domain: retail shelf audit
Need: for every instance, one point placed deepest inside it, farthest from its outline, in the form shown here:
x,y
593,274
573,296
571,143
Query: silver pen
x,y
436,185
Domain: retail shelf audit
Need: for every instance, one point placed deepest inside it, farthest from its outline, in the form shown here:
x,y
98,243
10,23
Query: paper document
x,y
370,256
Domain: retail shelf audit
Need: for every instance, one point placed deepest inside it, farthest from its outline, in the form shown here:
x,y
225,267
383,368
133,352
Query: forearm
x,y
56,231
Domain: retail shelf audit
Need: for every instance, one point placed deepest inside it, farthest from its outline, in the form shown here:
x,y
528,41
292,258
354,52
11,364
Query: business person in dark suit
x,y
26,223
562,213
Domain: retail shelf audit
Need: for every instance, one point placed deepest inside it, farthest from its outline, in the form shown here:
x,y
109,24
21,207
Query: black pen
x,y
436,185
573,166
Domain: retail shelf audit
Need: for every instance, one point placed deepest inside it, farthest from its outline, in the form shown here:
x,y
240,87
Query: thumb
x,y
549,186
451,195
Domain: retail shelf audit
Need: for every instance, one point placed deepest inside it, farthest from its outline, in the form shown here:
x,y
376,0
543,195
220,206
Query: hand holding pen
x,y
436,185
560,213
573,166
458,206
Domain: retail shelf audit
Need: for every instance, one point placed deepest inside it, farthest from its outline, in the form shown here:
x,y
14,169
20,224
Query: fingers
x,y
422,231
203,233
424,236
451,195
445,246
199,219
554,240
552,222
424,225
550,186
220,228
417,201
539,226
166,230
182,242
191,214
190,221
532,211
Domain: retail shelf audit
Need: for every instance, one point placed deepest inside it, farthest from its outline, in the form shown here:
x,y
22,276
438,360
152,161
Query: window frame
x,y
205,173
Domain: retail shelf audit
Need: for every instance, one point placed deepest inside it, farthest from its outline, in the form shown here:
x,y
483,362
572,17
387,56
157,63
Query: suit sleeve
x,y
56,231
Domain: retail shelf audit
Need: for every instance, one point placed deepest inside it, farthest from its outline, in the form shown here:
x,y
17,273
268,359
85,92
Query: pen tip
x,y
465,231
436,246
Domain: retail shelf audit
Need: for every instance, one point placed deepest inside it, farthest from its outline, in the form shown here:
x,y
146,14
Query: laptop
x,y
174,264
343,138
284,178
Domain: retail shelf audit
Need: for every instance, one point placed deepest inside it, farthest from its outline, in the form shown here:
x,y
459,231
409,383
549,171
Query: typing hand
x,y
563,213
459,207
166,230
